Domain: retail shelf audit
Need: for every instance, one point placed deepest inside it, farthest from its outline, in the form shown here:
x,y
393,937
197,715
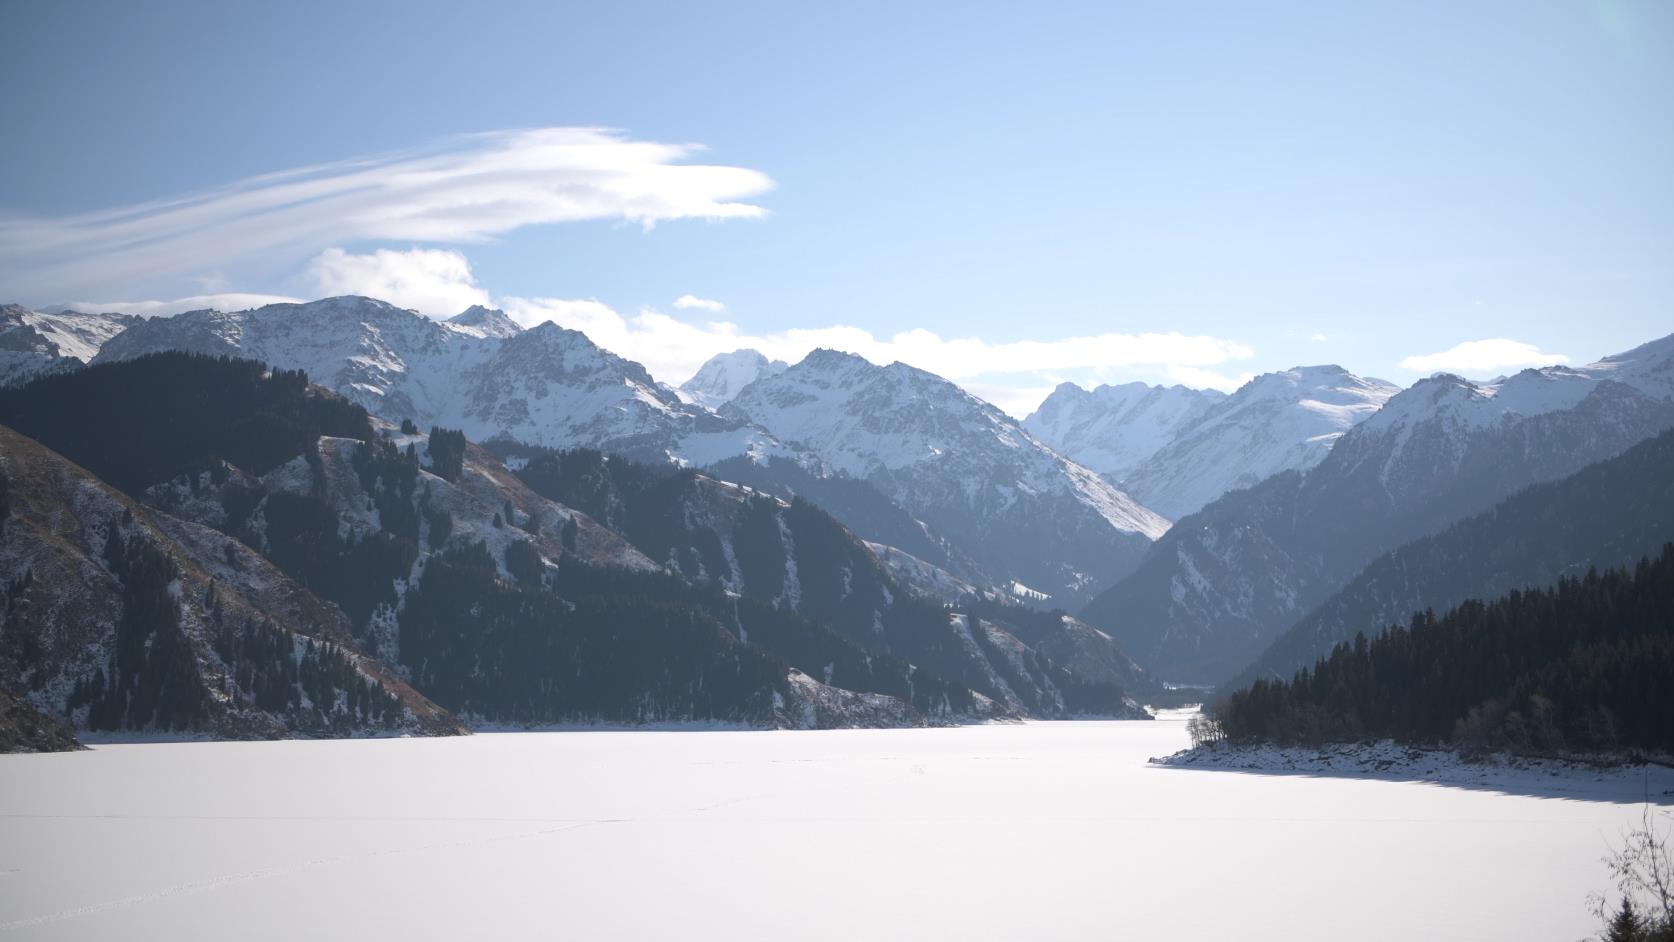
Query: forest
x,y
1582,666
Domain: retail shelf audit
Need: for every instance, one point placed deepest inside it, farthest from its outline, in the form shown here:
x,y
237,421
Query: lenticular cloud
x,y
469,189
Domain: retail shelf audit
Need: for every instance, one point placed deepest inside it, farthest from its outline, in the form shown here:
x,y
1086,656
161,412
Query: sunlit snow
x,y
1036,831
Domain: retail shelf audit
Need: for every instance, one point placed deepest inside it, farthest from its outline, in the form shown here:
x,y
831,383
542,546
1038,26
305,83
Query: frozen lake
x,y
1045,831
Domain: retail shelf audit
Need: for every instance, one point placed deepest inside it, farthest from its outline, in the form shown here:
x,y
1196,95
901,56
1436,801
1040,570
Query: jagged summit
x,y
1281,421
547,385
958,463
724,375
1113,429
485,322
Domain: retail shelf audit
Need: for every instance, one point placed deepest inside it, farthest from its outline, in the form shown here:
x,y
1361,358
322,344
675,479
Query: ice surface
x,y
1033,831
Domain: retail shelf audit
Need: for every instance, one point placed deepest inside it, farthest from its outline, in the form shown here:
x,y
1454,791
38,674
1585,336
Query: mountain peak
x,y
724,375
485,322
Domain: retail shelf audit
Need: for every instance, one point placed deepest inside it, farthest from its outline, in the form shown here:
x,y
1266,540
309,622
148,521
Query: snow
x,y
1112,429
1061,830
724,375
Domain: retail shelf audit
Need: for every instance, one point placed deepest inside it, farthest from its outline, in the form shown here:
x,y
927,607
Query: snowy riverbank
x,y
1392,761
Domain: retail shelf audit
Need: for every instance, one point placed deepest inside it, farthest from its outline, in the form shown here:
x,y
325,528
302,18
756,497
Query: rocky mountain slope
x,y
478,372
795,557
1286,421
967,469
1224,582
127,619
1114,429
33,343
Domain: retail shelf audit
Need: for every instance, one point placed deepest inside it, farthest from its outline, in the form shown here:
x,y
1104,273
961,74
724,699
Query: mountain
x,y
23,728
970,471
1608,514
124,618
440,563
1285,421
485,322
33,343
478,372
1226,581
1114,429
795,557
725,374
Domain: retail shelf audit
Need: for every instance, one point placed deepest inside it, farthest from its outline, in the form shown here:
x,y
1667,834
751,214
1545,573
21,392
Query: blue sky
x,y
1097,192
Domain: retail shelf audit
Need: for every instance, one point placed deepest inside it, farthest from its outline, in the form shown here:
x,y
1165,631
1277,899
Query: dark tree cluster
x,y
1585,665
447,453
840,585
482,647
357,573
144,421
318,687
152,678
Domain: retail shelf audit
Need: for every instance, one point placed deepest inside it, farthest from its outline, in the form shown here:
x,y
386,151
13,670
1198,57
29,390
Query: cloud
x,y
673,349
220,302
1483,356
1206,379
467,189
689,302
437,282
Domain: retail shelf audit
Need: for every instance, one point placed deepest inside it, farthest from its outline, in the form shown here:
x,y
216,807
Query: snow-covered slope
x,y
958,463
1112,429
34,342
1226,581
725,374
1276,422
478,372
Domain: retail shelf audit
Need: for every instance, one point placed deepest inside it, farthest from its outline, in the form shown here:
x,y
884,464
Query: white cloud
x,y
1483,356
220,302
468,189
1317,338
1016,401
1206,379
437,282
673,349
689,302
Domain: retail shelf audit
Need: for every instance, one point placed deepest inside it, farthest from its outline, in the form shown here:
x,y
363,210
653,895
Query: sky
x,y
1011,195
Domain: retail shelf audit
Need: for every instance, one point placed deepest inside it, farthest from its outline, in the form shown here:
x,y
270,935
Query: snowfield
x,y
1038,830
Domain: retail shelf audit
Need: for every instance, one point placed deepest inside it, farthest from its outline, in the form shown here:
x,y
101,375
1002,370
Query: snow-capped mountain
x,y
478,372
958,463
725,374
1224,582
1276,422
1113,429
485,322
36,342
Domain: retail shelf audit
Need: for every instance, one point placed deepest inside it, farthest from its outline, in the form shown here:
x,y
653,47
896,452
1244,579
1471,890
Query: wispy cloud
x,y
1483,356
468,189
690,302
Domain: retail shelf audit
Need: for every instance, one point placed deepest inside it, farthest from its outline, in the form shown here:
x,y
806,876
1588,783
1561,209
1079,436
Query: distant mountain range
x,y
1176,449
849,543
1226,581
276,562
951,461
